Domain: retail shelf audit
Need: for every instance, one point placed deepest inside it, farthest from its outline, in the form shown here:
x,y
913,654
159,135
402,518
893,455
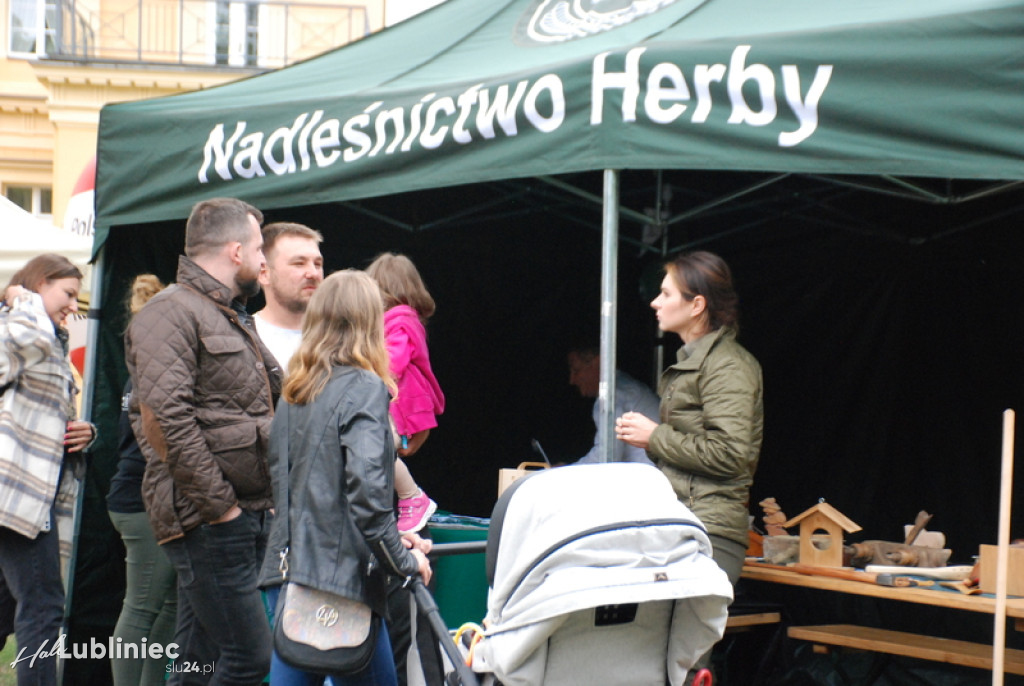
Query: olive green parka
x,y
709,438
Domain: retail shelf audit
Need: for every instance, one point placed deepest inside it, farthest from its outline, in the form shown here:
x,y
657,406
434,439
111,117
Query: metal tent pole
x,y
88,385
609,297
659,216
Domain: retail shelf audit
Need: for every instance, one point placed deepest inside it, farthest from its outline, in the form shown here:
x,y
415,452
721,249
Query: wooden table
x,y
898,642
939,597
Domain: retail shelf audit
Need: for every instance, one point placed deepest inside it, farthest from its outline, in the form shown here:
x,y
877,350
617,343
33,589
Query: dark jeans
x,y
222,633
31,601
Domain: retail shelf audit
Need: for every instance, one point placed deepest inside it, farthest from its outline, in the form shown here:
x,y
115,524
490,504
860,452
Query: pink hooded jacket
x,y
419,399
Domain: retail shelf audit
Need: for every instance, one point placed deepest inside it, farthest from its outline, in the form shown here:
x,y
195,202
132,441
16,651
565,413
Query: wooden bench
x,y
745,622
906,644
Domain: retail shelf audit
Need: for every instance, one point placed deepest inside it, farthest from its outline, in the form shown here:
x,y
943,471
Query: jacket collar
x,y
692,356
191,274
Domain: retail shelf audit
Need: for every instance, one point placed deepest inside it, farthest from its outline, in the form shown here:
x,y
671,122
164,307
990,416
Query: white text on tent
x,y
428,123
667,84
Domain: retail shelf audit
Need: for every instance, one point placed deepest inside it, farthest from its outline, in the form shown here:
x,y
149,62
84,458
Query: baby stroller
x,y
598,575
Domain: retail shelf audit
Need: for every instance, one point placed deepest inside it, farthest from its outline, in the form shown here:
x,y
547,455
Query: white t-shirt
x,y
281,342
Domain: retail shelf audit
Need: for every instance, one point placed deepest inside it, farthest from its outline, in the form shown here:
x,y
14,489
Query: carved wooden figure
x,y
773,518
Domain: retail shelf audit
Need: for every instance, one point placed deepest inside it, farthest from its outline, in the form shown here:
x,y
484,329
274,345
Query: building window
x,y
32,25
236,32
34,199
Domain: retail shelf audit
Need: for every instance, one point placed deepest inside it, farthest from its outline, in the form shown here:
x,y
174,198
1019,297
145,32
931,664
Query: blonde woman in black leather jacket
x,y
331,427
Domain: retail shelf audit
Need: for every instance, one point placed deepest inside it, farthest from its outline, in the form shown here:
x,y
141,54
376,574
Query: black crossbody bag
x,y
317,631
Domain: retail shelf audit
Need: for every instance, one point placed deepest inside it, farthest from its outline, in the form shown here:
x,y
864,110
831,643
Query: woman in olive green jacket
x,y
712,414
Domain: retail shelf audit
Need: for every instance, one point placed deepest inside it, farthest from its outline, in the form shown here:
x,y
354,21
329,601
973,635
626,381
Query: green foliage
x,y
7,675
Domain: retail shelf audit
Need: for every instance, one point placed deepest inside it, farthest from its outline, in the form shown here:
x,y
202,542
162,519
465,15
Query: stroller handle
x,y
428,608
457,548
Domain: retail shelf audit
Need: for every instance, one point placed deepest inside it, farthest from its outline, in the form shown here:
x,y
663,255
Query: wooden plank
x,y
908,645
924,596
744,621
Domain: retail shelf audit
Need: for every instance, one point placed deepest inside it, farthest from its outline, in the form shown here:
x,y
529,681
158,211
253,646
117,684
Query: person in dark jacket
x,y
204,394
150,601
331,447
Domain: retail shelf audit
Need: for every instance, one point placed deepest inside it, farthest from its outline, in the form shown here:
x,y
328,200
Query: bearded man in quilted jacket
x,y
202,408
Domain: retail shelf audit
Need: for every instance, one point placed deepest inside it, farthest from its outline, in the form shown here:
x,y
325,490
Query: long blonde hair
x,y
343,325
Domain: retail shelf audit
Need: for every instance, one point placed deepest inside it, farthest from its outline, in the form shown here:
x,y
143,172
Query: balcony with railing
x,y
243,33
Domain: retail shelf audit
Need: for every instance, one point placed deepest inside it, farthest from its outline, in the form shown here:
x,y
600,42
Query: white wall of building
x,y
400,10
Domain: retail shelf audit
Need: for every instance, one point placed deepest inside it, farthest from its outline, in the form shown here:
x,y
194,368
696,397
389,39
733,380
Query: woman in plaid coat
x,y
39,441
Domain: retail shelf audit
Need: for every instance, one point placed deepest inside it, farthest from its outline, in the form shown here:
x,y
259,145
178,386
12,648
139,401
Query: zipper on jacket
x,y
283,565
387,556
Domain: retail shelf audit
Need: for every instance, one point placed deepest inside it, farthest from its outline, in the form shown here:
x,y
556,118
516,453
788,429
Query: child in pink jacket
x,y
414,410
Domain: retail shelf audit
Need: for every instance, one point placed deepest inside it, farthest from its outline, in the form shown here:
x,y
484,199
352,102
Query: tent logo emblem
x,y
557,21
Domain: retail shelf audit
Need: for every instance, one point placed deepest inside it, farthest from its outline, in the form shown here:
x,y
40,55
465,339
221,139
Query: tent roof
x,y
474,91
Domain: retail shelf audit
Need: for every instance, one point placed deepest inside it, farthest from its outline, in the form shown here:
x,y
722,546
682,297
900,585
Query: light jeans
x,y
150,601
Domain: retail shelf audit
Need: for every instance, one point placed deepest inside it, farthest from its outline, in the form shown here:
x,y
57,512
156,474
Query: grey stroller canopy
x,y
598,574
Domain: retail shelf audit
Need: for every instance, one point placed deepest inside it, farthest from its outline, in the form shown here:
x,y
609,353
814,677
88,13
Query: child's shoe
x,y
413,513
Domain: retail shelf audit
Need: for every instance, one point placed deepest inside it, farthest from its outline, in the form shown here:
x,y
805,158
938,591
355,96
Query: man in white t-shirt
x,y
630,396
294,269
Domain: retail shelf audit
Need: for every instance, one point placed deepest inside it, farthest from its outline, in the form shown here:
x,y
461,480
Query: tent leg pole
x,y
609,297
659,216
88,386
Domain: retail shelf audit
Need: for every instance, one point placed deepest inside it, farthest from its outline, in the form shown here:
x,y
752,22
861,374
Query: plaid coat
x,y
35,406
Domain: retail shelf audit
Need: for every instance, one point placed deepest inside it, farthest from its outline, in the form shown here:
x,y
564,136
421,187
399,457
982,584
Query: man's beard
x,y
248,287
294,304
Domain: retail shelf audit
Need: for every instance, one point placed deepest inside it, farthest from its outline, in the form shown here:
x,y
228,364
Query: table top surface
x,y
938,596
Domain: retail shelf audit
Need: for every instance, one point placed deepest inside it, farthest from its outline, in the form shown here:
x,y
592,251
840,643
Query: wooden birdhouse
x,y
821,535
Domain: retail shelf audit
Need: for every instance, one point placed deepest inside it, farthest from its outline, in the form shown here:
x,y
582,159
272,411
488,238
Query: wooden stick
x,y
920,522
1005,497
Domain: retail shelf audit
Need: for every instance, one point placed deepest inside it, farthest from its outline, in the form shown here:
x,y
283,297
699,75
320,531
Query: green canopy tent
x,y
478,91
528,96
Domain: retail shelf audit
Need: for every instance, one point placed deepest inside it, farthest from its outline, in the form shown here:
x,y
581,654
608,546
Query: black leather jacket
x,y
340,501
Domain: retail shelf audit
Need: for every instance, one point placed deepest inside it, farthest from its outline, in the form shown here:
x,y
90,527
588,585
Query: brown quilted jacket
x,y
202,404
